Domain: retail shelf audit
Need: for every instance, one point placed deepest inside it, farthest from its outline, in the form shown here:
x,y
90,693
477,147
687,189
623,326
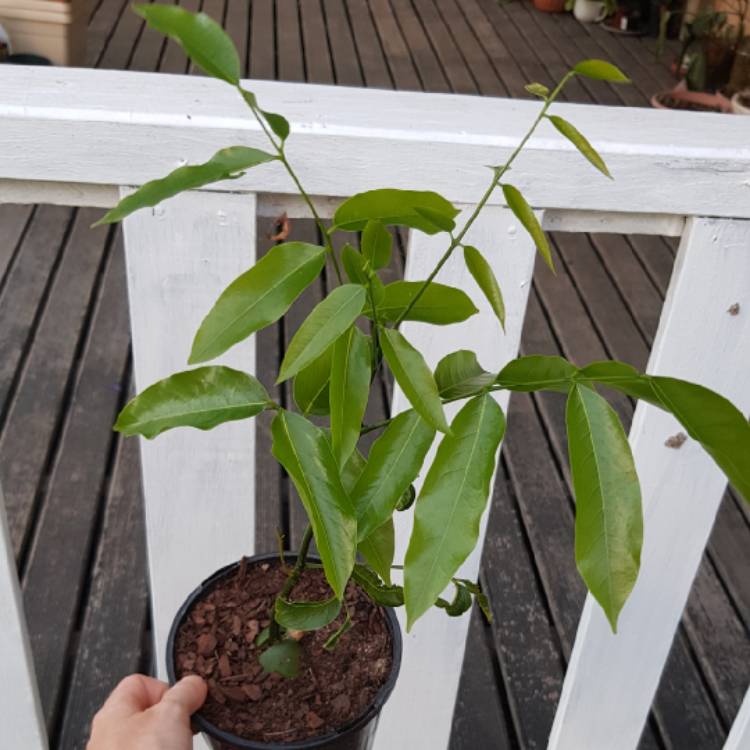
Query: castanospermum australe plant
x,y
333,358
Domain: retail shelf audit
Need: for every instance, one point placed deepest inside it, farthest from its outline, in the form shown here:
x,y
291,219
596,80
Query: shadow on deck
x,y
73,487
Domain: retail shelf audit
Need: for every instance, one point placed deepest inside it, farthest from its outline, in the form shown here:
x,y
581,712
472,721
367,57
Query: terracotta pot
x,y
683,98
550,6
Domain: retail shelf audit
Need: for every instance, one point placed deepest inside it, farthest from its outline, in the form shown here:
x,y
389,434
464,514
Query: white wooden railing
x,y
83,137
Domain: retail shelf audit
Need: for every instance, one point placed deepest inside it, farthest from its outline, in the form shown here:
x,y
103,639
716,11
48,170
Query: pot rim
x,y
228,738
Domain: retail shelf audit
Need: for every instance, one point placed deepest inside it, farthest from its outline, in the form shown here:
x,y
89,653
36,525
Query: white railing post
x,y
198,486
434,650
20,710
739,736
612,679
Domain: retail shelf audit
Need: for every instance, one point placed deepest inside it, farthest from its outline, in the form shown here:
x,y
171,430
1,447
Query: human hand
x,y
146,714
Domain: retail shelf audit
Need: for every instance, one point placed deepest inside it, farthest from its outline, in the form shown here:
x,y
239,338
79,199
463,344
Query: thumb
x,y
188,694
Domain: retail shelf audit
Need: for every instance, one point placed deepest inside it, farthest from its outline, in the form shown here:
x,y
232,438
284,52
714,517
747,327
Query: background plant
x,y
351,498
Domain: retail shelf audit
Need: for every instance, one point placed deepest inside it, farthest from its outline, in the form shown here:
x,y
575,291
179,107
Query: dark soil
x,y
333,688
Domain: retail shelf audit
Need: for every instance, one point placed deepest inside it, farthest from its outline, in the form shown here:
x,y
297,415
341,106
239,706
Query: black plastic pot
x,y
357,735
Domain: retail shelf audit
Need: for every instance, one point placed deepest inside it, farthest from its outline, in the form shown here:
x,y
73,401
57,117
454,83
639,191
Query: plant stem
x,y
293,578
279,148
499,172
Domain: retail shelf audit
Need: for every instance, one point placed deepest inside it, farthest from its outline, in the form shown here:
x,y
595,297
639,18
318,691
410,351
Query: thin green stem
x,y
281,154
456,241
293,578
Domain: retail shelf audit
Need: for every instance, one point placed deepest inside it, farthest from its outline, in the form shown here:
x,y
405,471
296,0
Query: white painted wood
x,y
20,710
739,736
611,680
665,225
123,128
434,650
198,486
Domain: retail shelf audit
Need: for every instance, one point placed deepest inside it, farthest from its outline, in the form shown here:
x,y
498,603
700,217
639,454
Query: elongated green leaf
x,y
350,389
328,320
306,615
282,658
376,244
203,40
459,375
580,142
600,70
226,164
202,398
450,506
353,263
719,426
393,464
609,520
378,550
537,89
440,304
621,377
537,373
380,593
441,221
482,272
525,214
413,376
311,385
257,298
351,472
391,206
304,451
461,601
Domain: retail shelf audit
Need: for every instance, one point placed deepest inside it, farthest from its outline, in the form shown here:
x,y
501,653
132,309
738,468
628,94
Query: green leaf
x,y
311,385
621,377
226,164
376,244
524,213
203,40
600,70
328,320
306,615
391,206
334,638
719,426
303,450
580,142
609,520
537,373
352,470
479,596
283,658
442,222
482,272
537,89
379,548
202,398
353,263
461,601
407,499
450,506
440,304
277,123
258,297
349,390
393,464
380,593
459,375
413,376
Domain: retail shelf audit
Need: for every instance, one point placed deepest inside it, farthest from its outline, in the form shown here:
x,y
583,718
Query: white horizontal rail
x,y
94,127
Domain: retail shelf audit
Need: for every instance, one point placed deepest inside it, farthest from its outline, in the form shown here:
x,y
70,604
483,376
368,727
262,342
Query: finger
x,y
134,694
188,694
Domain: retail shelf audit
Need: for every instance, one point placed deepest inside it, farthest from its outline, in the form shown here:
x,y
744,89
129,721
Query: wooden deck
x,y
72,487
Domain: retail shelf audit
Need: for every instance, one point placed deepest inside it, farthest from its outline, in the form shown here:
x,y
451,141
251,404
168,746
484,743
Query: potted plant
x,y
261,630
550,6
